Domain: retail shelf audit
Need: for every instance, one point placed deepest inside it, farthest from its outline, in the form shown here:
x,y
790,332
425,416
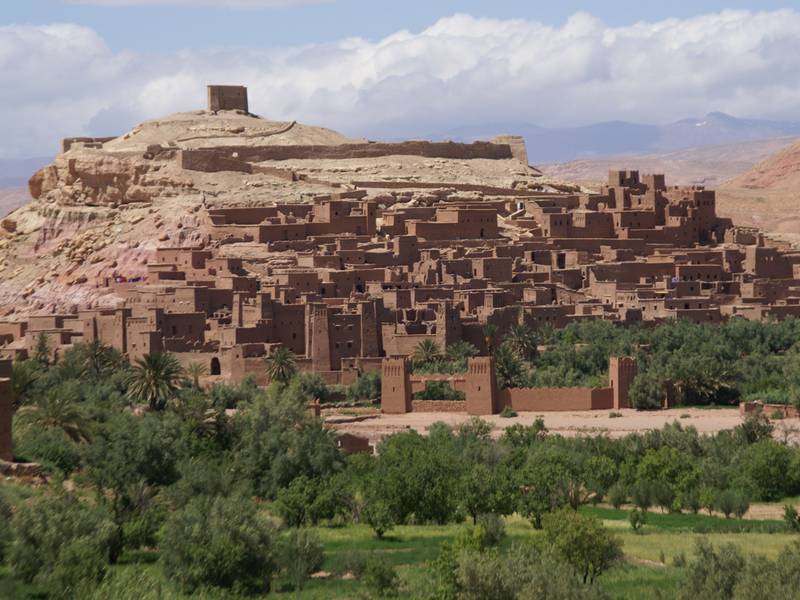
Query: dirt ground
x,y
568,423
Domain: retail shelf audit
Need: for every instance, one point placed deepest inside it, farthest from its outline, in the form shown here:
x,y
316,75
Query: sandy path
x,y
564,423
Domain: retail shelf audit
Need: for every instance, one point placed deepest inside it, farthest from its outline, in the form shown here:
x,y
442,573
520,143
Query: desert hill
x,y
104,205
778,171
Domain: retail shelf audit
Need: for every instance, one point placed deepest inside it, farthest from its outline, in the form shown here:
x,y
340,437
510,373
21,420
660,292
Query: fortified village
x,y
218,236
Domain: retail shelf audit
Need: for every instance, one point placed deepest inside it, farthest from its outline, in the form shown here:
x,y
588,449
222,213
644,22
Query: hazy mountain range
x,y
599,140
15,172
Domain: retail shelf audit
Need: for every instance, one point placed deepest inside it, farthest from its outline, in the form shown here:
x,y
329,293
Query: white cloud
x,y
63,80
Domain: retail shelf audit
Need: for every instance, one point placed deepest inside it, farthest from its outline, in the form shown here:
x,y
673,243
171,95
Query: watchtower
x,y
395,386
227,97
481,386
622,370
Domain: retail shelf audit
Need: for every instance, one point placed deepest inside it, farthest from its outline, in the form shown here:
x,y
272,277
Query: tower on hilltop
x,y
227,97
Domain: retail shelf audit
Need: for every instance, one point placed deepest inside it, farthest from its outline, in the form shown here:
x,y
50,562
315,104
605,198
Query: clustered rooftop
x,y
369,272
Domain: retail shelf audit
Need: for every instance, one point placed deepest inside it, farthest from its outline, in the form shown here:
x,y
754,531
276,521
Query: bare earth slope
x,y
768,195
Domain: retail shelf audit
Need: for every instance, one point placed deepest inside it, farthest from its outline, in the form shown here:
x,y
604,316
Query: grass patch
x,y
690,522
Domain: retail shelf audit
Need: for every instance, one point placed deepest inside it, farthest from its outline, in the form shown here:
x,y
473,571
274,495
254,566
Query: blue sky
x,y
160,27
391,69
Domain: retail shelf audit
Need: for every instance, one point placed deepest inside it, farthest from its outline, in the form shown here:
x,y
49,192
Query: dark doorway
x,y
215,368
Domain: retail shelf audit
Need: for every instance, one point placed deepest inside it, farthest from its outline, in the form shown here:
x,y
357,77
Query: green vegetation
x,y
439,390
159,490
708,364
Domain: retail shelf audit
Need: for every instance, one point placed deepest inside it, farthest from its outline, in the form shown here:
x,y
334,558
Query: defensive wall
x,y
483,397
237,158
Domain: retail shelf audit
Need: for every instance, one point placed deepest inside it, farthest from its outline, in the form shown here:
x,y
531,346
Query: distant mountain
x,y
15,172
599,140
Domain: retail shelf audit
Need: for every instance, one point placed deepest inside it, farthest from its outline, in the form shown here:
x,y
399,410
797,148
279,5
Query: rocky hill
x,y
104,205
778,171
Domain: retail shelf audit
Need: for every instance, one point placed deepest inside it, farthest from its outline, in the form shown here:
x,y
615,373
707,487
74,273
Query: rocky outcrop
x,y
92,178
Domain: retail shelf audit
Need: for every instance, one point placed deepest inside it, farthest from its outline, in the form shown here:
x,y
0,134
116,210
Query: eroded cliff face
x,y
94,178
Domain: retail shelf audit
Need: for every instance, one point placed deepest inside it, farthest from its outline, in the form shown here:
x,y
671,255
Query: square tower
x,y
227,97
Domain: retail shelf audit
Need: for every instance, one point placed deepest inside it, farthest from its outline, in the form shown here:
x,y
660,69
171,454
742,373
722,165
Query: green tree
x,y
300,554
379,515
195,371
583,543
60,543
24,377
490,333
41,350
278,441
126,461
646,391
765,466
57,410
426,353
460,352
220,542
281,365
712,574
155,379
763,578
522,341
509,368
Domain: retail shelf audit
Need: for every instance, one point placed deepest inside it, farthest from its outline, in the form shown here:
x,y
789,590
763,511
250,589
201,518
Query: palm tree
x,y
97,357
154,379
281,365
460,351
195,371
23,380
54,411
490,332
426,352
522,341
508,368
41,351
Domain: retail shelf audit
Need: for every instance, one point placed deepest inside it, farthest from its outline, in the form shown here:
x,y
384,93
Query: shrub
x,y
637,519
617,495
366,388
725,502
299,555
647,391
219,542
642,495
50,447
508,412
379,516
712,574
764,465
439,390
5,528
380,577
354,562
791,517
582,542
494,527
61,544
614,415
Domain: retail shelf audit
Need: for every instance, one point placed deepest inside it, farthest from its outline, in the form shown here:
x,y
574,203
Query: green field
x,y
410,547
